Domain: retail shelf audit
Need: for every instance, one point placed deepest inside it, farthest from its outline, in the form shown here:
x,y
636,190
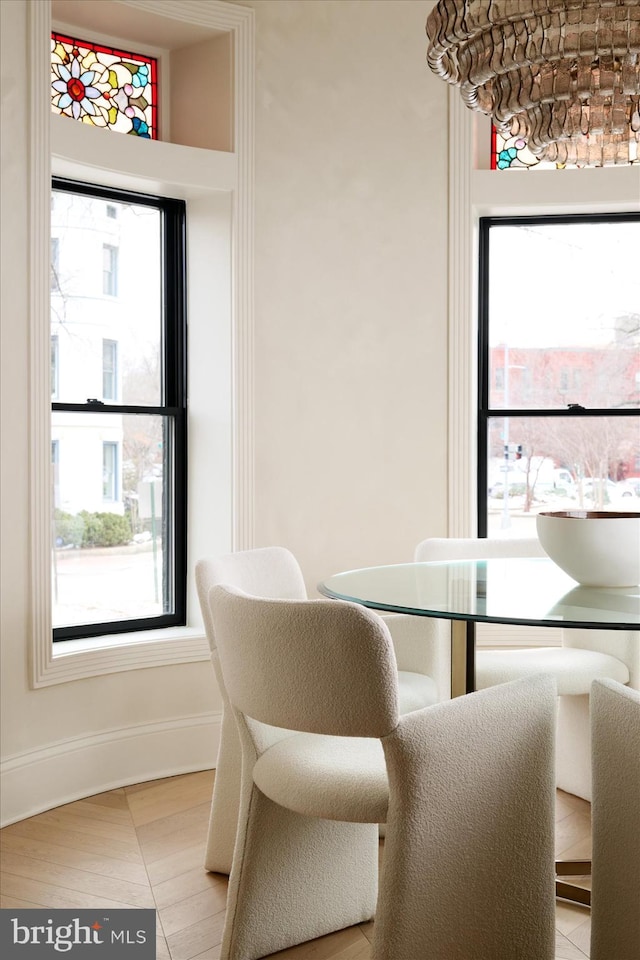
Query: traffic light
x,y
513,451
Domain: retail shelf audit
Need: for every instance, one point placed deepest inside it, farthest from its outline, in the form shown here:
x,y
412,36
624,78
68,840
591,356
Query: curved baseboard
x,y
84,766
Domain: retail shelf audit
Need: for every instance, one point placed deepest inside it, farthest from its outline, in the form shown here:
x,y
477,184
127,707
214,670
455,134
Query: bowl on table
x,y
598,548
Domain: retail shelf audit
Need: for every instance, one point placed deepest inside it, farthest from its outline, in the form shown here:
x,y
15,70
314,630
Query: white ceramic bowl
x,y
597,548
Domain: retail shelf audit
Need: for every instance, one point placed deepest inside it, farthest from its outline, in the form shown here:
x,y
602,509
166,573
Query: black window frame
x,y
487,413
173,407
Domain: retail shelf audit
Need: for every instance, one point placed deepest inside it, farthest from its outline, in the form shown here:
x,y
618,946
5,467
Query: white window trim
x,y
73,660
462,299
475,193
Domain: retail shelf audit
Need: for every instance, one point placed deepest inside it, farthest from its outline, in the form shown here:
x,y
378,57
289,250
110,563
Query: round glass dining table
x,y
518,590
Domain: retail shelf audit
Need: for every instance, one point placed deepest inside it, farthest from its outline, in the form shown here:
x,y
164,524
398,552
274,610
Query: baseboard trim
x,y
69,770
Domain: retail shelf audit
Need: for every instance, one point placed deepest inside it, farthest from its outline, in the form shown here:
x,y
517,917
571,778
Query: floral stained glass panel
x,y
104,87
512,153
509,153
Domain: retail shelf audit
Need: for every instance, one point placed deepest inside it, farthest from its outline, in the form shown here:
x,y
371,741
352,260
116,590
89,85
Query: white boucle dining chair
x,y
584,656
615,822
423,673
466,788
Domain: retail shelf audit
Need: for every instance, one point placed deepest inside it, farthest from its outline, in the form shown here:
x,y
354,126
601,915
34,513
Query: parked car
x,y
559,484
556,485
598,492
628,488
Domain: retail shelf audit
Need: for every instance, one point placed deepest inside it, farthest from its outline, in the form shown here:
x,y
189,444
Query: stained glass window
x,y
104,87
513,152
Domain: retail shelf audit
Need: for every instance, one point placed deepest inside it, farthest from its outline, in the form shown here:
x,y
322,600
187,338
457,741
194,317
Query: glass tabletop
x,y
529,591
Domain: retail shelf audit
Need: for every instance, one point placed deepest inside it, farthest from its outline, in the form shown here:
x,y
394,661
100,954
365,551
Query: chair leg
x,y
295,878
573,746
223,821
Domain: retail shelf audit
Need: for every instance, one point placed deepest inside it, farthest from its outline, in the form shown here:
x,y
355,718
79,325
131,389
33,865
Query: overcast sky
x,y
562,285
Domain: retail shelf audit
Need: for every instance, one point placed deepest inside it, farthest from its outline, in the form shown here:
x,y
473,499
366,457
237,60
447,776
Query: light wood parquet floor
x,y
143,846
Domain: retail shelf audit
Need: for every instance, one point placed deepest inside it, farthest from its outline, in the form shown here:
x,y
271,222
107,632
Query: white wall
x,y
351,353
74,738
351,273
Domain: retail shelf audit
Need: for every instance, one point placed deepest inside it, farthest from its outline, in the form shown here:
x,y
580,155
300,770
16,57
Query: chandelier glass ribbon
x,y
563,74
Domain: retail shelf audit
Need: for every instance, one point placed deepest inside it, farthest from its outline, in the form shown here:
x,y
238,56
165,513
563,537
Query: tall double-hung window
x,y
119,411
559,368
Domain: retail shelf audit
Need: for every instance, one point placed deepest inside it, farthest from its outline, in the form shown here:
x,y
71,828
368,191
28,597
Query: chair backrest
x,y
476,548
263,572
615,812
319,666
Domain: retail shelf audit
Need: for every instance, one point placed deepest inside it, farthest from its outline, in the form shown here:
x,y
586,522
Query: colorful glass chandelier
x,y
562,74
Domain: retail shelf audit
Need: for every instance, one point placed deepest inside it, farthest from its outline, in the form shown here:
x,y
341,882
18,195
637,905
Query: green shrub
x,y
116,529
515,490
86,529
69,529
105,529
92,534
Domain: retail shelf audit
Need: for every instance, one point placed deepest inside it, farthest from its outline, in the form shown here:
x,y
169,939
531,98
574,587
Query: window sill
x,y
116,653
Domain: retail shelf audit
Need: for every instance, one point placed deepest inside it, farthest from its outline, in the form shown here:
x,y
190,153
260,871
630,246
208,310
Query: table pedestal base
x,y
463,657
569,891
